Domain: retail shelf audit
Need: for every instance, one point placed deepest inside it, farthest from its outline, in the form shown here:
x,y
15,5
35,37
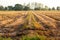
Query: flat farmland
x,y
17,23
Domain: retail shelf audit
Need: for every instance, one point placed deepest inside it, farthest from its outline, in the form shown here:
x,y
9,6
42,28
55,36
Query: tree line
x,y
16,7
19,7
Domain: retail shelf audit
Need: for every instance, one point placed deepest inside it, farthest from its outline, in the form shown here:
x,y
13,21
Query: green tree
x,y
46,7
18,7
5,8
26,8
49,9
53,8
58,8
10,7
1,8
36,8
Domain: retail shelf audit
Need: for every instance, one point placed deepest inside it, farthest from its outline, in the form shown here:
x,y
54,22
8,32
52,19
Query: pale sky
x,y
50,3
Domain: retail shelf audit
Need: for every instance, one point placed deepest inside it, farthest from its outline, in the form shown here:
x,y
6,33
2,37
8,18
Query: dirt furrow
x,y
46,22
35,23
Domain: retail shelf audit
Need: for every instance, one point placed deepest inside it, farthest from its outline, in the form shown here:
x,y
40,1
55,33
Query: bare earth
x,y
17,23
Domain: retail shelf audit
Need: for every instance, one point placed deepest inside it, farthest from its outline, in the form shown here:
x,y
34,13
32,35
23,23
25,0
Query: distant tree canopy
x,y
53,8
35,6
58,8
1,8
10,8
46,7
18,7
49,9
26,8
6,8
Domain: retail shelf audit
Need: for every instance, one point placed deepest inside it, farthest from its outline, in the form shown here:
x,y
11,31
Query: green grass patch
x,y
33,38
